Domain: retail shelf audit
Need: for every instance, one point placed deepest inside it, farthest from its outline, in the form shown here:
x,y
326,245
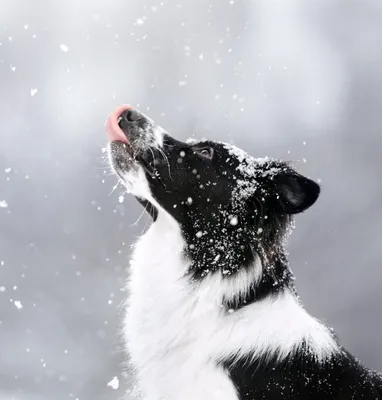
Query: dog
x,y
212,311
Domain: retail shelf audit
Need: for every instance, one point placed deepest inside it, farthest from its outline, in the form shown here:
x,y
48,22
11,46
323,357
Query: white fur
x,y
136,183
134,180
153,134
165,322
177,331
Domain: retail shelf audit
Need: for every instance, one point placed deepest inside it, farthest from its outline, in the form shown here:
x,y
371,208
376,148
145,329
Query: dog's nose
x,y
131,115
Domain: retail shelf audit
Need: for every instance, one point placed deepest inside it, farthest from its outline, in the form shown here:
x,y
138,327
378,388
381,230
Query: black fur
x,y
301,377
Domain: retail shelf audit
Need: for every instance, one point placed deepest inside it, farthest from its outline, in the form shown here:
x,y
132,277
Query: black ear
x,y
295,192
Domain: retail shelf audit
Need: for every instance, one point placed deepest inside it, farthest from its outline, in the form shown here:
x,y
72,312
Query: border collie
x,y
212,311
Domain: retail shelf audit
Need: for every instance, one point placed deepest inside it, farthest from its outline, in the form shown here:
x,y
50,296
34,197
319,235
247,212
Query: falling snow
x,y
18,304
114,383
64,48
234,221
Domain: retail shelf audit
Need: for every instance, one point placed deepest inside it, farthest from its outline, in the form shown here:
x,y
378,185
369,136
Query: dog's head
x,y
216,192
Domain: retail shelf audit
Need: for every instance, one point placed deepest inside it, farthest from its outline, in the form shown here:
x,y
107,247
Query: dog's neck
x,y
237,259
226,247
275,278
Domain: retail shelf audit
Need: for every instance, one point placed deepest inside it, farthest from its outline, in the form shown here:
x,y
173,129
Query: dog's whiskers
x,y
115,187
165,158
140,217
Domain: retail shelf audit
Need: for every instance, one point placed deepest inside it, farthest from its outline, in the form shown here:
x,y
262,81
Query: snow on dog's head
x,y
230,206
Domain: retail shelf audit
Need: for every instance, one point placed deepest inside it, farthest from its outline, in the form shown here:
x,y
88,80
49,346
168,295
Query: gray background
x,y
295,79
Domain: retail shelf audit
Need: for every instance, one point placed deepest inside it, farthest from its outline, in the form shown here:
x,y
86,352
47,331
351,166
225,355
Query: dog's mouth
x,y
113,130
126,131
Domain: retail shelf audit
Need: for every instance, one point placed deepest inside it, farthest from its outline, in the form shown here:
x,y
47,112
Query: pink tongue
x,y
114,132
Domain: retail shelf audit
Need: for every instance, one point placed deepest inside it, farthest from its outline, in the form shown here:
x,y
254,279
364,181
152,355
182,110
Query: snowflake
x,y
114,383
64,48
18,304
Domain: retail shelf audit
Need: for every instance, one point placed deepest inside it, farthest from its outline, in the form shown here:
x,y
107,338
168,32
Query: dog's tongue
x,y
114,132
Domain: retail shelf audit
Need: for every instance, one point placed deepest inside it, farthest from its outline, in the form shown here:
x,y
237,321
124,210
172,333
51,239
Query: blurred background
x,y
290,78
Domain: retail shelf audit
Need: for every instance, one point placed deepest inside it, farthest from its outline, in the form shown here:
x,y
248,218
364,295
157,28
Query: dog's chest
x,y
169,324
165,315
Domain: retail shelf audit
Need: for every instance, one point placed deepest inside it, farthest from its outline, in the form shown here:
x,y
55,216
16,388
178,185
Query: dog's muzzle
x,y
134,129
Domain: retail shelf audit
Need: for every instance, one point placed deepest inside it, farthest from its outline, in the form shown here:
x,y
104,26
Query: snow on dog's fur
x,y
212,311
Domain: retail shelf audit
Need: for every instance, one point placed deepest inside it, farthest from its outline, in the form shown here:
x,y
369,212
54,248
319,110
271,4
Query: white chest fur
x,y
167,325
176,332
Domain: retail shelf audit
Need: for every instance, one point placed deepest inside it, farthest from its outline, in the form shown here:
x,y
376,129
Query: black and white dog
x,y
212,310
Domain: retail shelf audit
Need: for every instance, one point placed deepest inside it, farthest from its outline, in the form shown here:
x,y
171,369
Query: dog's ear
x,y
295,193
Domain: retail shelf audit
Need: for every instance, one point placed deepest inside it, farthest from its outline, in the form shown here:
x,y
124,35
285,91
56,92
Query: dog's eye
x,y
207,152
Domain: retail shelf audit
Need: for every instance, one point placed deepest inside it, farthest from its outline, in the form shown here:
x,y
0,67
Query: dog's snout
x,y
131,116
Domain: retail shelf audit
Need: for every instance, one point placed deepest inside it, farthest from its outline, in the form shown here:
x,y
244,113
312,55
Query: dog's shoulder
x,y
301,377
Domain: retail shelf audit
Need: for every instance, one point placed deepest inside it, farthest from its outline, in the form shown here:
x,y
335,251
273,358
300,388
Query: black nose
x,y
131,116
